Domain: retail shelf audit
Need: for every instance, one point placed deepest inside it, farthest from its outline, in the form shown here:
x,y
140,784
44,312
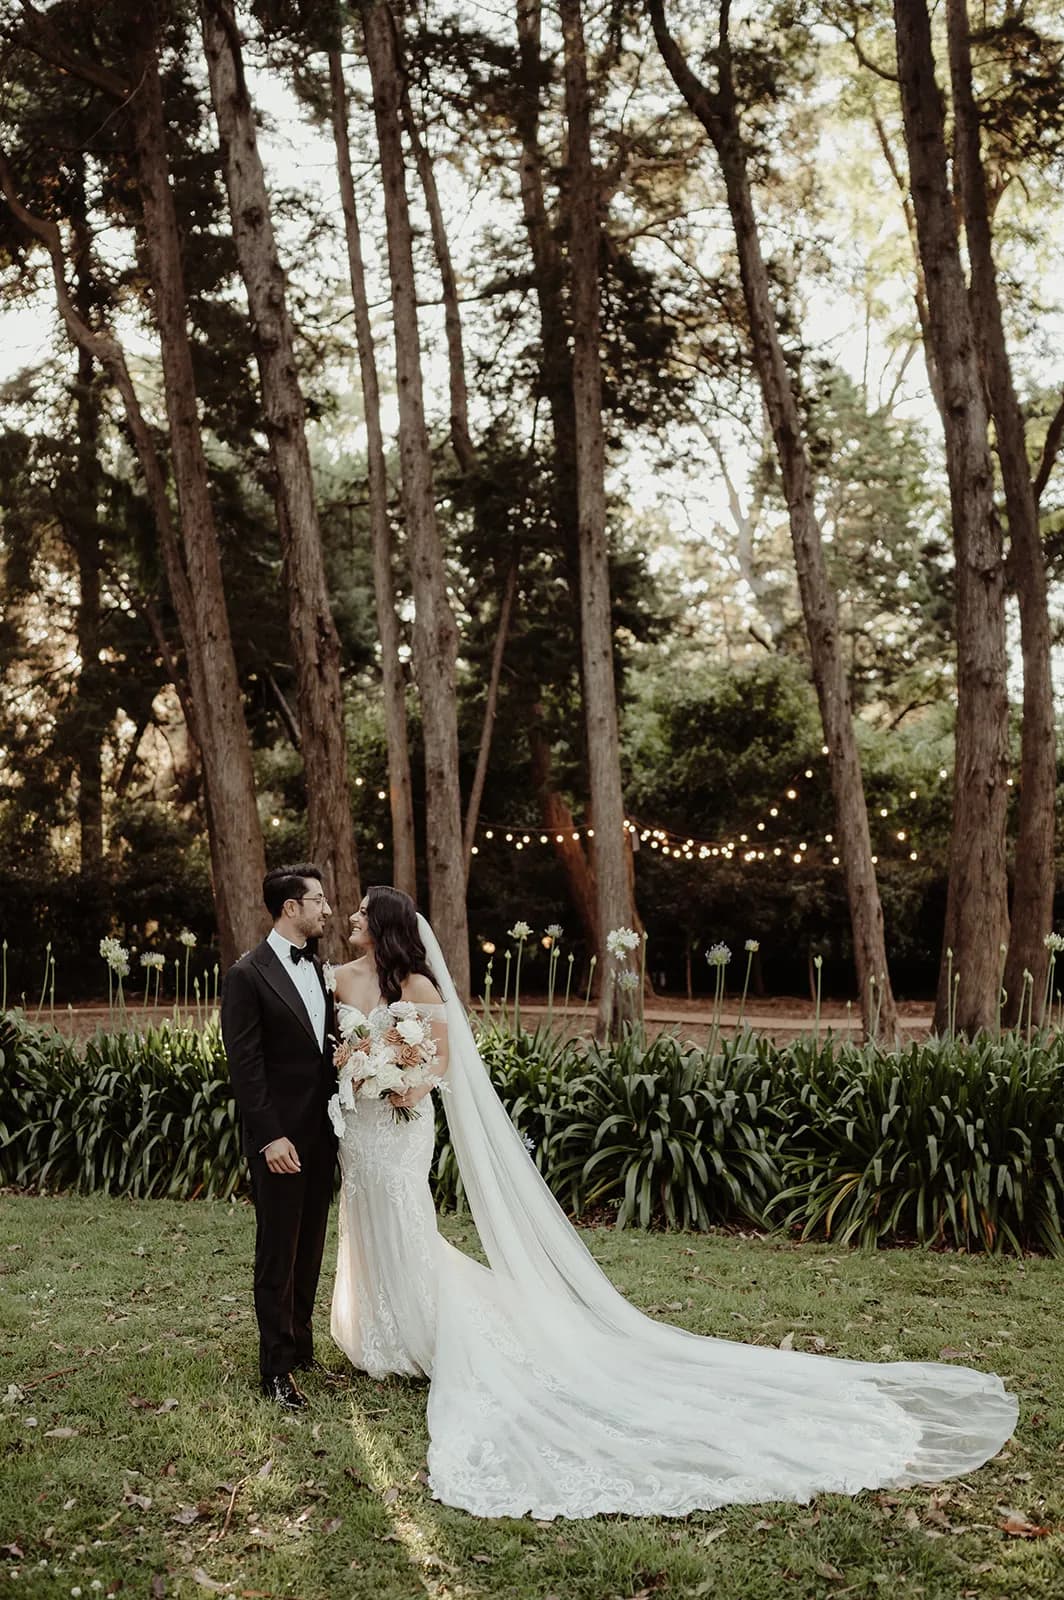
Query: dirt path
x,y
782,1018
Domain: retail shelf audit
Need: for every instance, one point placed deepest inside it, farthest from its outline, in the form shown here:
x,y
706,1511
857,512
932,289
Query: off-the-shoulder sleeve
x,y
434,1013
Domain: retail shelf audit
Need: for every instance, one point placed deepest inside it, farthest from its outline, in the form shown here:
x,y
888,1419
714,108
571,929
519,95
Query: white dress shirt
x,y
304,978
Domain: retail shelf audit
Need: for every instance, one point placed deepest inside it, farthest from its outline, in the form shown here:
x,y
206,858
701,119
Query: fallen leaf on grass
x,y
824,1569
13,1551
390,1496
205,1581
186,1515
714,1533
266,1468
1017,1526
333,1524
482,1557
763,1527
143,1501
167,1405
787,1342
949,1353
158,1586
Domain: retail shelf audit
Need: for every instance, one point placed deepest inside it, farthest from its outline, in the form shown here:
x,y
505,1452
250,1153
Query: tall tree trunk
x,y
435,632
502,633
558,820
193,574
400,785
976,906
461,438
612,889
85,527
315,644
549,273
718,112
1035,870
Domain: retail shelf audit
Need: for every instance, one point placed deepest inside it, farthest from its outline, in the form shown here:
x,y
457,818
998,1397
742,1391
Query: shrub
x,y
143,1114
946,1143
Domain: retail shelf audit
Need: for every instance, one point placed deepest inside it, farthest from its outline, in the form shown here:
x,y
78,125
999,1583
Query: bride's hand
x,y
409,1099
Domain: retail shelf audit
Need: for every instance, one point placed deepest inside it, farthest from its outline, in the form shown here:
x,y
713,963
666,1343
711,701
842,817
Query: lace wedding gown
x,y
552,1395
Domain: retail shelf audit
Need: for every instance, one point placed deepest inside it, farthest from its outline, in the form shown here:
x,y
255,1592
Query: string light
x,y
676,846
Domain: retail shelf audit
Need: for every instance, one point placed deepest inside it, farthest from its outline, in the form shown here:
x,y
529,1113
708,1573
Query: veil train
x,y
553,1395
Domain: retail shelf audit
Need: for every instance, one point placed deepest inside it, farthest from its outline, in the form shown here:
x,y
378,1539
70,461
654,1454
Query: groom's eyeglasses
x,y
318,899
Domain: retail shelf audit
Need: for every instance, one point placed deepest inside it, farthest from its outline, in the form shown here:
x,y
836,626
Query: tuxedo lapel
x,y
269,965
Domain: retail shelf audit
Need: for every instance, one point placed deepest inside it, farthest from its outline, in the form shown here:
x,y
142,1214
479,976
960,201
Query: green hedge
x,y
945,1143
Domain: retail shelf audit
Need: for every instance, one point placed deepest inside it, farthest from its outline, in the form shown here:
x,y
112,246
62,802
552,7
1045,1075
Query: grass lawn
x,y
137,1457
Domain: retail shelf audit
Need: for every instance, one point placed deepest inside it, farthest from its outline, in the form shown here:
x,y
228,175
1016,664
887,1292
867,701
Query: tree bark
x,y
476,792
90,722
549,274
461,438
613,896
1035,869
315,644
719,115
400,784
976,906
558,820
435,632
214,706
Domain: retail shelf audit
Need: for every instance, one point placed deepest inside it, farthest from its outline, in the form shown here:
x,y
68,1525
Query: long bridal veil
x,y
553,1395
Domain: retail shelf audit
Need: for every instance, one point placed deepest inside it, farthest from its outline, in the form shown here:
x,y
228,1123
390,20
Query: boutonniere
x,y
328,974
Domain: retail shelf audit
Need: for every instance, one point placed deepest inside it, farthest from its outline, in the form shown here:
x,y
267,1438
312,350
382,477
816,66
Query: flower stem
x,y
44,985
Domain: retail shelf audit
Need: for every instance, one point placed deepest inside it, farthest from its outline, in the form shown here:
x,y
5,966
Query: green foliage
x,y
949,1143
954,1143
142,1114
667,1132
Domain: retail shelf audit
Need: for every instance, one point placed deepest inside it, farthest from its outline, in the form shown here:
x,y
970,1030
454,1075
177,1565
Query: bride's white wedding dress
x,y
552,1395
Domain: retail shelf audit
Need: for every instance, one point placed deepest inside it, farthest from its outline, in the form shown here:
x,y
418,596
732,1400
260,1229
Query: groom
x,y
277,1016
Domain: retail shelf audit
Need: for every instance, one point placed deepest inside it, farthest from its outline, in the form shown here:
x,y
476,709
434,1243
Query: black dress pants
x,y
291,1218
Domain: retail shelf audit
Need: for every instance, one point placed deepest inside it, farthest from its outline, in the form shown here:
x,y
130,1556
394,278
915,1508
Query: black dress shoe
x,y
282,1389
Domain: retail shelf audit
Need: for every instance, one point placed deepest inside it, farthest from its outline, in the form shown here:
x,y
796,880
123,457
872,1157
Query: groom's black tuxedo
x,y
282,1078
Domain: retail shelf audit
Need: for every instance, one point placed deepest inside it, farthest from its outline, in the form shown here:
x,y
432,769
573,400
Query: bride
x,y
550,1393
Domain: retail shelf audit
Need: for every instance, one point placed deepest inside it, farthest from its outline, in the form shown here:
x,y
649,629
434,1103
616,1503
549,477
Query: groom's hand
x,y
282,1156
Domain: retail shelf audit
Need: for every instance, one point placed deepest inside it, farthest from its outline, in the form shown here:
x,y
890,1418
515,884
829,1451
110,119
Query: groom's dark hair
x,y
287,883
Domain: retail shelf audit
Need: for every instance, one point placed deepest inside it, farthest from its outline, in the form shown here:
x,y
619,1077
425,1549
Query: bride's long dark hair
x,y
398,951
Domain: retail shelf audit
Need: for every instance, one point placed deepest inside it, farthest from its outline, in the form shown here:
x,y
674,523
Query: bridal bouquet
x,y
388,1052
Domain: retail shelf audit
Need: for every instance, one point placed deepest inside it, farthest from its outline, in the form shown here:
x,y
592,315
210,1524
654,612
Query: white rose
x,y
410,1030
402,1008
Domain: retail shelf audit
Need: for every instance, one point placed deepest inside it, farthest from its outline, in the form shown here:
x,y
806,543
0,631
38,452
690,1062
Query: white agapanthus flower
x,y
554,930
153,959
116,955
187,938
718,955
620,940
628,980
752,946
521,931
1054,943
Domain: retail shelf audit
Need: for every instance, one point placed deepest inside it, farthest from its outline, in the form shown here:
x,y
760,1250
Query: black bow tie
x,y
305,954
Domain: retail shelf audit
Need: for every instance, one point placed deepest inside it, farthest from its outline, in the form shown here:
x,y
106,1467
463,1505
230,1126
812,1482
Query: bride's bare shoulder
x,y
350,978
421,991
